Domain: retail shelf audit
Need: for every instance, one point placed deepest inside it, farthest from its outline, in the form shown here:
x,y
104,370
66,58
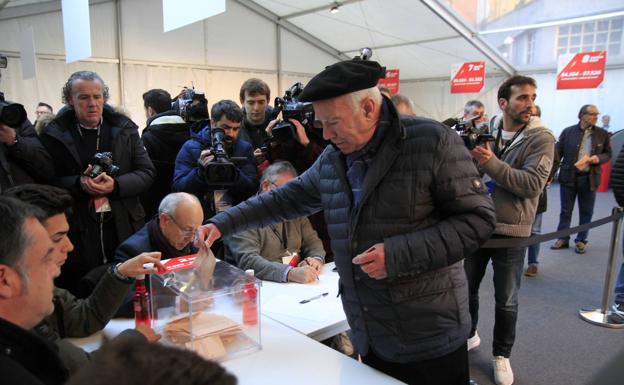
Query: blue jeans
x,y
508,264
535,248
586,199
619,285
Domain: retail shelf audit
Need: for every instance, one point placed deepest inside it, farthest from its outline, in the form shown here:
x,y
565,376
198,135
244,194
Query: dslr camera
x,y
191,105
221,170
291,108
12,114
473,134
103,162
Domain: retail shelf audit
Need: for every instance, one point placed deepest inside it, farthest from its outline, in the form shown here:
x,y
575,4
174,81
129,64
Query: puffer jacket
x,y
423,198
520,175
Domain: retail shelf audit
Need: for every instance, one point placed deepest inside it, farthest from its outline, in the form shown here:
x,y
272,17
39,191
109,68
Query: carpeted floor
x,y
554,346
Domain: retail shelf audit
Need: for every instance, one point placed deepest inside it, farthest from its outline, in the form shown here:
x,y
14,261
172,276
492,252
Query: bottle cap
x,y
140,276
249,272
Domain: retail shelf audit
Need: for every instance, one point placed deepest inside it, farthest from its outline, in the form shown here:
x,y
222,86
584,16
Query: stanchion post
x,y
604,316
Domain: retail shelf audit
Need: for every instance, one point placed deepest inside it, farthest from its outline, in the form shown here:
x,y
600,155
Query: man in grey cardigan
x,y
263,249
519,163
404,206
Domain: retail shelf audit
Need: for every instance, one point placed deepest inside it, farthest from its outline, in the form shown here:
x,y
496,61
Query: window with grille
x,y
596,35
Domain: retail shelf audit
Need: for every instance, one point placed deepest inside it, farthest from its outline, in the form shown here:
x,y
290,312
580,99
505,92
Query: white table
x,y
318,319
287,357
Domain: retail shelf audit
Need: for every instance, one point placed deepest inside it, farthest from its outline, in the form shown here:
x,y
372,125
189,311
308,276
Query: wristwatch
x,y
119,276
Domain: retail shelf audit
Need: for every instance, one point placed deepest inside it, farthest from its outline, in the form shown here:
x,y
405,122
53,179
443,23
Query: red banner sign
x,y
585,70
468,77
391,81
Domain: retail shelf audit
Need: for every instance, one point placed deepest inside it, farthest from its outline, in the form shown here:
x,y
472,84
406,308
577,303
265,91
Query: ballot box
x,y
217,316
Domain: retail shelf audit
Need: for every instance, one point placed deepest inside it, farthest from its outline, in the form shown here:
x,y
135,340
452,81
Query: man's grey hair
x,y
471,105
14,240
275,170
83,75
170,203
355,98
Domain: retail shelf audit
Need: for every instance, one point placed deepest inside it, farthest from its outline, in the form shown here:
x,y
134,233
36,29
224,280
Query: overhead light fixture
x,y
335,8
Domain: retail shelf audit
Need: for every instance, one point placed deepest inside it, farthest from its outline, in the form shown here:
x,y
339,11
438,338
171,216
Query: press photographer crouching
x,y
214,165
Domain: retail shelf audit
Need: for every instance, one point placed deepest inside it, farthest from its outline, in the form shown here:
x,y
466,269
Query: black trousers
x,y
451,369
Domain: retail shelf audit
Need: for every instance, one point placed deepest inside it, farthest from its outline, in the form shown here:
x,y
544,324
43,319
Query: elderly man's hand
x,y
207,234
134,266
373,261
312,262
7,134
148,332
482,154
303,274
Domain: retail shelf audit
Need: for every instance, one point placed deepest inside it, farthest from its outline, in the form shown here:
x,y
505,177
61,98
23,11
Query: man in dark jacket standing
x,y
617,183
583,147
404,205
106,206
163,138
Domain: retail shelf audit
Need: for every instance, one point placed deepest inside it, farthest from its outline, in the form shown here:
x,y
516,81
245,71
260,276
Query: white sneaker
x,y
474,342
503,375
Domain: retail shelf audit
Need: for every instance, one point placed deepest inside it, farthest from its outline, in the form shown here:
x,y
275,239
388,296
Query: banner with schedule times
x,y
468,77
581,70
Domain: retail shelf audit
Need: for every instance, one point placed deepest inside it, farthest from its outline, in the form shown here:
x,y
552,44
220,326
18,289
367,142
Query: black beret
x,y
342,78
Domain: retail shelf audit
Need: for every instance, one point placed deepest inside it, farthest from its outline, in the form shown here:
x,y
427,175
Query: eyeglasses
x,y
185,232
592,113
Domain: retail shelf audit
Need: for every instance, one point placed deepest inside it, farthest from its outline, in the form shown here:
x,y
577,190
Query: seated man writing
x,y
267,250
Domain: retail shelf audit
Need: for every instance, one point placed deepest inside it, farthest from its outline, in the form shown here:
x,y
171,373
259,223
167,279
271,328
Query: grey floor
x,y
553,344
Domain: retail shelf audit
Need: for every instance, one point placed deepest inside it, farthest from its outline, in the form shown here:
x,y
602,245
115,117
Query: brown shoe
x,y
531,271
580,247
559,244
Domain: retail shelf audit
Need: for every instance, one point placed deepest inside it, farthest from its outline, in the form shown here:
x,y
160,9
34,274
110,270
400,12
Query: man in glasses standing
x,y
582,147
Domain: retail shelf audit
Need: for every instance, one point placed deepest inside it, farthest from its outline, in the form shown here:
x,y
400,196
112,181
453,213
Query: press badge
x,y
102,205
222,200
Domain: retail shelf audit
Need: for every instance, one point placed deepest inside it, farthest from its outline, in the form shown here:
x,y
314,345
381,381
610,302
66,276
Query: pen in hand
x,y
313,298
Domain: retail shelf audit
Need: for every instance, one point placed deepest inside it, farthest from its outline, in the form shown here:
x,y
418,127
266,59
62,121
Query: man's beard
x,y
518,117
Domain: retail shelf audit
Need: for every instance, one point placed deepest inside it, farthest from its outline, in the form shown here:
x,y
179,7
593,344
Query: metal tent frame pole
x,y
603,316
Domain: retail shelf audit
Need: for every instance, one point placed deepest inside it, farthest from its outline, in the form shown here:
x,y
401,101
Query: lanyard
x,y
508,144
97,142
281,238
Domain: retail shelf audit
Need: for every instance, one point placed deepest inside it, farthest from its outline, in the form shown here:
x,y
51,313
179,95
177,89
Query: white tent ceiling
x,y
412,36
423,39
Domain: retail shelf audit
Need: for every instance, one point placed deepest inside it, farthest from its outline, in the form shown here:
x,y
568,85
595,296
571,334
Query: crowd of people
x,y
400,203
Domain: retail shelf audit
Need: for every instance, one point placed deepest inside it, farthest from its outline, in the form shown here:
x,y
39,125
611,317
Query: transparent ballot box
x,y
217,317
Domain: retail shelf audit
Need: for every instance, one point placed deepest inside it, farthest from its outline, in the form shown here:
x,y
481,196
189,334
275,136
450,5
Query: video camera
x,y
221,170
103,162
473,134
191,105
291,108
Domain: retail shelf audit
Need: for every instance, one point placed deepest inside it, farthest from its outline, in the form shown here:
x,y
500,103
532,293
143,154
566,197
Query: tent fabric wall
x,y
216,55
559,107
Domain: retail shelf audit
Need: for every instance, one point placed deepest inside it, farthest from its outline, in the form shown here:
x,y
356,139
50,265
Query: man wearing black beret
x,y
404,205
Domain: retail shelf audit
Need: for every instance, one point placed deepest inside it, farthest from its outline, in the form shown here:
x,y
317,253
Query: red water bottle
x,y
250,298
142,305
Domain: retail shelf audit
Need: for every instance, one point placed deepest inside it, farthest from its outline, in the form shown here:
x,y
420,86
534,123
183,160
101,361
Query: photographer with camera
x,y
214,164
518,162
97,156
23,159
163,137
